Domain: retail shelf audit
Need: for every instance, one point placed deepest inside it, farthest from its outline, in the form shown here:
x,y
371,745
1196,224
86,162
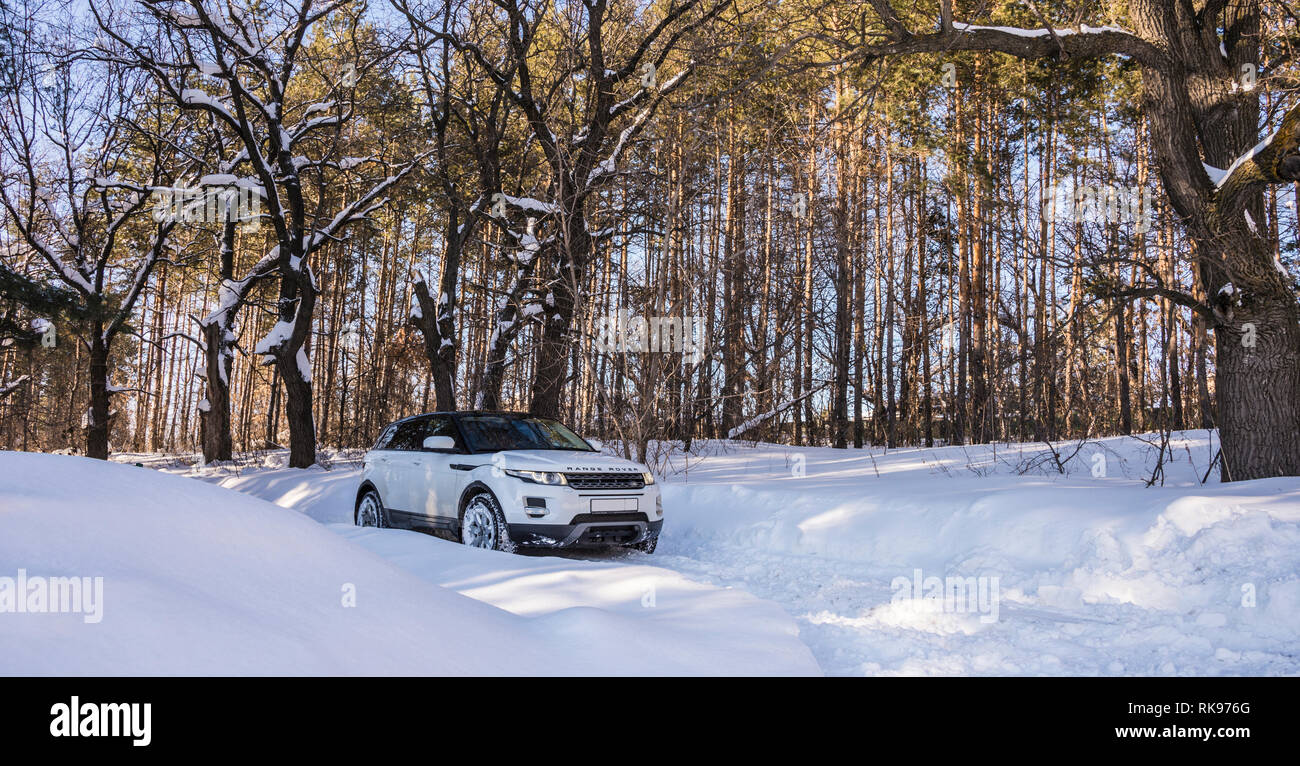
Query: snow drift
x,y
198,579
1098,573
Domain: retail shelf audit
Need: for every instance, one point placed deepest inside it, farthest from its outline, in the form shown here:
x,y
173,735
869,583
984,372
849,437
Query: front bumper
x,y
562,517
588,531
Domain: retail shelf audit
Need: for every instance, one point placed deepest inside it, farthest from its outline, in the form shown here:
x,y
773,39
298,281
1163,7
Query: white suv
x,y
500,479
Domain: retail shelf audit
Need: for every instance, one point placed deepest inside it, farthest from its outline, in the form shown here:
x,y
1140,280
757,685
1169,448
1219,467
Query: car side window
x,y
385,438
409,435
443,426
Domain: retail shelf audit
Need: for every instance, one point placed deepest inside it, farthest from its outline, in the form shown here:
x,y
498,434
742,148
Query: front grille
x,y
601,518
605,480
606,535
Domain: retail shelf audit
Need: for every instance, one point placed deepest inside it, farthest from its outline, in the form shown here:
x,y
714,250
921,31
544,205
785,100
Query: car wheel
x,y
483,525
649,544
370,511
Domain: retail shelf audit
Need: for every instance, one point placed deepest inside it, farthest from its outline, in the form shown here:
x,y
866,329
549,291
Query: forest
x,y
242,225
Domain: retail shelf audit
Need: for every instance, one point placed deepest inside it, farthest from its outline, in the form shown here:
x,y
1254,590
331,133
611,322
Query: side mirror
x,y
440,443
595,443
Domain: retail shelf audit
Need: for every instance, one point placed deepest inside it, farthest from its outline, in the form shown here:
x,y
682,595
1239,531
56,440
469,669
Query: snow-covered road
x,y
1093,573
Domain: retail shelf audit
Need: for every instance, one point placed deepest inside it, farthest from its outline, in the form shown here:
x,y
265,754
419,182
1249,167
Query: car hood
x,y
567,461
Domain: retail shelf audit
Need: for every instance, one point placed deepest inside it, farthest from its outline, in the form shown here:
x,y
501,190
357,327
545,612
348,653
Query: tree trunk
x,y
843,322
734,299
97,427
1258,385
1122,369
553,353
297,304
298,413
439,348
217,441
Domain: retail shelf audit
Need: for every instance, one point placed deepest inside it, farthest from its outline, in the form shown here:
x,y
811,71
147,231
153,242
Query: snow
x,y
11,386
773,559
279,334
251,184
70,273
765,416
1097,574
1018,32
1243,159
197,97
531,205
201,580
304,364
607,166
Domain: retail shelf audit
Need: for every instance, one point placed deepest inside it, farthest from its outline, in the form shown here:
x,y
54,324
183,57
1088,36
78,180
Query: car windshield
x,y
493,433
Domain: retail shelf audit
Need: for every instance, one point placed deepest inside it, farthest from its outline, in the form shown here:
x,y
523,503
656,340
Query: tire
x,y
483,525
370,511
649,544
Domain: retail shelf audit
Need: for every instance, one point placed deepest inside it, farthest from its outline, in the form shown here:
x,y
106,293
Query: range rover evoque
x,y
497,480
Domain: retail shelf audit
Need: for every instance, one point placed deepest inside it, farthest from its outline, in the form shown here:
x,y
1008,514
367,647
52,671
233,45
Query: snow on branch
x,y
530,205
608,167
12,386
1081,41
1276,159
232,292
141,277
1083,29
362,207
764,417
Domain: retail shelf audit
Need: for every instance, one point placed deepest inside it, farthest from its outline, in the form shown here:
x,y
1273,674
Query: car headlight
x,y
647,477
539,477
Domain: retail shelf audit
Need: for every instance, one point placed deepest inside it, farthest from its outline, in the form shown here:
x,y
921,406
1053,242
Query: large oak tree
x,y
1196,60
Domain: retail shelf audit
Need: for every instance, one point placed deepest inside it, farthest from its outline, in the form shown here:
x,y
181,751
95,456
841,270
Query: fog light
x,y
535,506
659,505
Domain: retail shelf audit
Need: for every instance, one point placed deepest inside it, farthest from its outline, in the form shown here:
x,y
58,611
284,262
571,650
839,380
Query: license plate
x,y
613,504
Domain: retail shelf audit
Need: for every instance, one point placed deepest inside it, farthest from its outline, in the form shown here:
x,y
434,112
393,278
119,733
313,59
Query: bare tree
x,y
468,115
240,67
70,184
582,151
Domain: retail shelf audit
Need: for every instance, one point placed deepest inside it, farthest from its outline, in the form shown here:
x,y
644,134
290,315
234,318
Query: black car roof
x,y
453,413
